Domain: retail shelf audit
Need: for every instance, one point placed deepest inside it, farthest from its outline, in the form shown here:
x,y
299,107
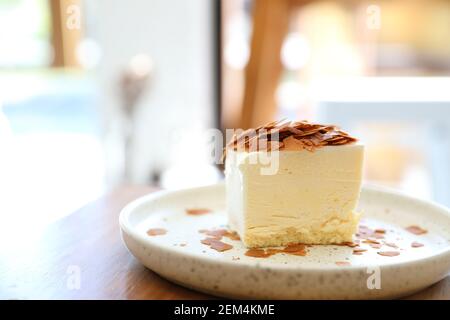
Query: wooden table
x,y
82,257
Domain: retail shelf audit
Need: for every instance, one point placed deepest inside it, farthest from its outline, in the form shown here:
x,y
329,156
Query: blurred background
x,y
99,94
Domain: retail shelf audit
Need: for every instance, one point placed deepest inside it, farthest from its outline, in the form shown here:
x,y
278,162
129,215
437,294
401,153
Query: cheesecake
x,y
293,182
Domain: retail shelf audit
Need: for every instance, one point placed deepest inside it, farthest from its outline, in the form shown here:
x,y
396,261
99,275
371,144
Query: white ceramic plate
x,y
180,257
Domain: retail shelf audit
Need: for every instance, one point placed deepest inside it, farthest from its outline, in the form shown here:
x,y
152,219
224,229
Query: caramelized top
x,y
289,135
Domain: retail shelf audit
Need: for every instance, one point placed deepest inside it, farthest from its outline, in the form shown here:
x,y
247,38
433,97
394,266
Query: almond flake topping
x,y
270,137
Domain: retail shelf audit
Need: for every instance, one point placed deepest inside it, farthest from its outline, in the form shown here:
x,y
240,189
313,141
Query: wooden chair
x,y
270,25
271,19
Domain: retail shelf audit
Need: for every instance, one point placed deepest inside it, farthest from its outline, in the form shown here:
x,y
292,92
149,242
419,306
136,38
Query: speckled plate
x,y
326,272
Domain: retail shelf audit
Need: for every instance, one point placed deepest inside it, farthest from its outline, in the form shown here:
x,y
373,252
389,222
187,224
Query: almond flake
x,y
220,246
377,235
392,245
416,230
292,249
156,232
342,263
198,211
257,253
349,244
388,253
371,241
309,135
208,241
217,233
232,235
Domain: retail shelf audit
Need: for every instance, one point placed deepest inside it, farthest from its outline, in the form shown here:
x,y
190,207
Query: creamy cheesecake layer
x,y
311,199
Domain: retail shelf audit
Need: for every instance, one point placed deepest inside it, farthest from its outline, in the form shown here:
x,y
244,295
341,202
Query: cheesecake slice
x,y
293,182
